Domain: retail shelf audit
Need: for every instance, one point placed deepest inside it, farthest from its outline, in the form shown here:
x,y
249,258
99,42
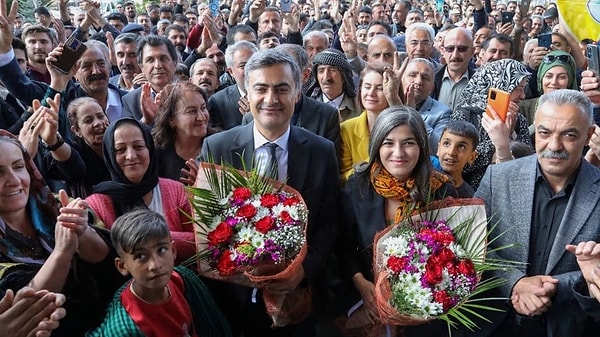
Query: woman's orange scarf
x,y
391,187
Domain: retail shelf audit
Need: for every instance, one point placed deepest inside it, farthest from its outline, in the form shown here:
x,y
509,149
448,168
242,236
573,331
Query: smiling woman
x,y
131,159
48,248
180,125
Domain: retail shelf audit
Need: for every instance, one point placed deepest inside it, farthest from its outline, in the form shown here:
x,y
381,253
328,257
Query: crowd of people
x,y
366,108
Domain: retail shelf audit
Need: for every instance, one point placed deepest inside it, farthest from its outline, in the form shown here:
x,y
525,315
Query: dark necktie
x,y
272,166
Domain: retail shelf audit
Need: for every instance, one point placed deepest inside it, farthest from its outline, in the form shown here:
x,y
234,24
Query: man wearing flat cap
x,y
331,82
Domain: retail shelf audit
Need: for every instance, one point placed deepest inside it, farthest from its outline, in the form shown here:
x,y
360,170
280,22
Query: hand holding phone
x,y
499,100
286,6
72,51
545,40
592,53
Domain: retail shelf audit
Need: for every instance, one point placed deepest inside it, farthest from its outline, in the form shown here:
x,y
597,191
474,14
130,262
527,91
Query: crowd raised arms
x,y
107,111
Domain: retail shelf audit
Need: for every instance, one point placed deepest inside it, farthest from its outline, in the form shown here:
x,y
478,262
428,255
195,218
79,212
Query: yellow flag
x,y
582,17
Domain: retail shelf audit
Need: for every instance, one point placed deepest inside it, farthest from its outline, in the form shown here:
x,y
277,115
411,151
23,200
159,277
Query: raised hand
x,y
588,259
7,21
148,105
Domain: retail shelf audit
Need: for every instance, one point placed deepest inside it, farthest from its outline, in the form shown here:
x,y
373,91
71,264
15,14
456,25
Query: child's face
x,y
455,152
150,265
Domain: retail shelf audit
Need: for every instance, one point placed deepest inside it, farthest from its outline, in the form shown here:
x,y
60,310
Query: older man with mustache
x,y
205,74
125,46
451,79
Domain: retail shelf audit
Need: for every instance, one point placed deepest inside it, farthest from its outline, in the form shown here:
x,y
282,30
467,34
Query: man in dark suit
x,y
227,106
306,161
158,58
542,203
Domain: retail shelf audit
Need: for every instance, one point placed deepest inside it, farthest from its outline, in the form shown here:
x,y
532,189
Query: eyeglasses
x,y
424,43
553,58
461,49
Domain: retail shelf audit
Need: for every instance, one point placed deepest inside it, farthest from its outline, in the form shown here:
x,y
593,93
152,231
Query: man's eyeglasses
x,y
461,49
424,43
553,58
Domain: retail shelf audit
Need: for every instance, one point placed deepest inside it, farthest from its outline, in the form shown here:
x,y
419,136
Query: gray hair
x,y
127,38
134,228
420,26
101,47
297,52
424,61
528,43
270,57
570,97
234,48
315,34
200,60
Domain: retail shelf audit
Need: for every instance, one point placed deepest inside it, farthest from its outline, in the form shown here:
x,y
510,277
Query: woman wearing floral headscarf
x,y
494,135
557,71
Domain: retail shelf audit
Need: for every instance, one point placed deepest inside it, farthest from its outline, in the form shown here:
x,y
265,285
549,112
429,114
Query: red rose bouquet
x,y
250,230
430,265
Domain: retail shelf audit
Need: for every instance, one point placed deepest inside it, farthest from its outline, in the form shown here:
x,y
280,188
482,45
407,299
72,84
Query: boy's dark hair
x,y
132,229
241,28
463,129
117,16
519,149
19,44
42,11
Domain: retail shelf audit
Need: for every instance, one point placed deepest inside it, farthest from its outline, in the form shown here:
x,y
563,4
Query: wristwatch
x,y
59,142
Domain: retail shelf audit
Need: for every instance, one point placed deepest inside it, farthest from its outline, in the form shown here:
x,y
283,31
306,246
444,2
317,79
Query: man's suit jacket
x,y
439,75
312,170
131,104
508,191
436,115
223,108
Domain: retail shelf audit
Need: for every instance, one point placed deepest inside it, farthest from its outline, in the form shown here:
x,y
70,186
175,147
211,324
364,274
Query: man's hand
x,y
590,85
531,295
243,105
256,8
6,25
588,259
292,18
537,56
148,105
58,79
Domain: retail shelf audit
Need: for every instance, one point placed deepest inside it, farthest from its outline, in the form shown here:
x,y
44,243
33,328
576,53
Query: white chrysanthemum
x,y
258,241
215,221
396,246
458,250
247,234
261,212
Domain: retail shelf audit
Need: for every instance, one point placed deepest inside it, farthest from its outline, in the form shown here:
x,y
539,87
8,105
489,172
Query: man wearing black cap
x,y
331,82
551,17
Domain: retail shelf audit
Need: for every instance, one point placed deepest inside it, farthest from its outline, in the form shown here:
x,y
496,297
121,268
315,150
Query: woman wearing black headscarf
x,y
131,159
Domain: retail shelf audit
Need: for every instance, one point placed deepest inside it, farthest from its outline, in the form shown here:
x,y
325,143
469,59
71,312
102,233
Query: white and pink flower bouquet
x,y
430,265
251,230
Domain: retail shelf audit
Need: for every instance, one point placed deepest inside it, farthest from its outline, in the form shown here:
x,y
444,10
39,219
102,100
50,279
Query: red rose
x,y
291,201
466,267
446,255
443,298
397,264
445,238
221,234
265,224
285,217
452,268
269,200
246,211
241,194
433,273
225,265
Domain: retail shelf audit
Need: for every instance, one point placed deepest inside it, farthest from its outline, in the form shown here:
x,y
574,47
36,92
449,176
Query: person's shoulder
x,y
132,94
318,105
311,137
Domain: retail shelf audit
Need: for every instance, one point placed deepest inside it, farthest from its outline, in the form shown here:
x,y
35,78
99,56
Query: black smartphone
x,y
72,51
592,54
545,40
507,17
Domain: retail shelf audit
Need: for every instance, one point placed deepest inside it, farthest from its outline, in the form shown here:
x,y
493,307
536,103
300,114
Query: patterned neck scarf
x,y
391,187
